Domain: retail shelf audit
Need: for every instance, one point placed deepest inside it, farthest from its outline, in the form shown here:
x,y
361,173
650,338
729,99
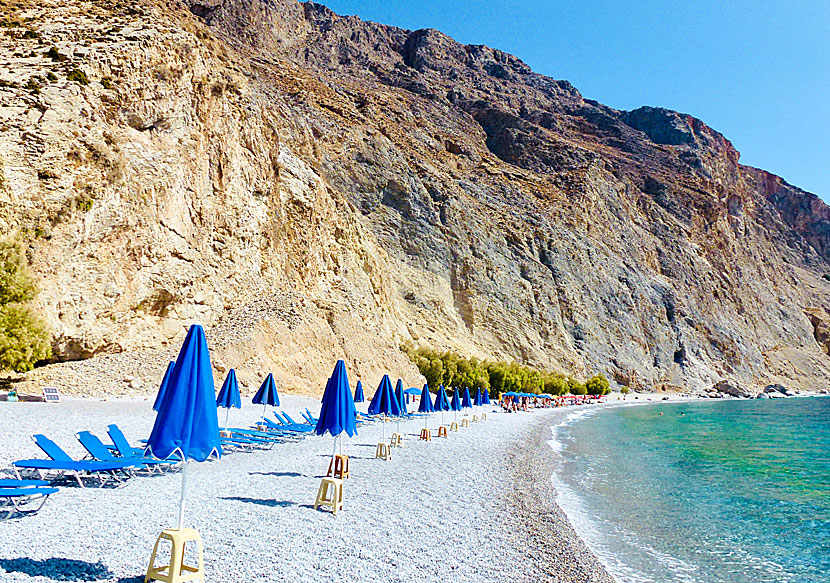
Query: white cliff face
x,y
312,187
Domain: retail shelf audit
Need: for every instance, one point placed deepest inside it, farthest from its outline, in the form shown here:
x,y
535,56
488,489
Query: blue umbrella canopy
x,y
455,404
267,393
441,401
358,393
413,391
485,398
465,400
229,394
163,387
399,394
384,400
186,424
337,413
426,402
477,400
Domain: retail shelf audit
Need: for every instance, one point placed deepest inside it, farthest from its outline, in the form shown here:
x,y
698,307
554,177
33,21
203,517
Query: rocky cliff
x,y
311,186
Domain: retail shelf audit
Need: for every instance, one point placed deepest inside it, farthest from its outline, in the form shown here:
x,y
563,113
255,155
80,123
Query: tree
x,y
575,387
598,385
24,338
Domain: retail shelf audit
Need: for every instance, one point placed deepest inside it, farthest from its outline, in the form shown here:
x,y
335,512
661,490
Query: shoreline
x,y
561,555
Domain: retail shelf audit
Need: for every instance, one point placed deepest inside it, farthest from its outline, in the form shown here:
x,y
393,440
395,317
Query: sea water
x,y
701,492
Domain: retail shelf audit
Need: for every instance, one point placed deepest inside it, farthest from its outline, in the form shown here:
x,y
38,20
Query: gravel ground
x,y
476,507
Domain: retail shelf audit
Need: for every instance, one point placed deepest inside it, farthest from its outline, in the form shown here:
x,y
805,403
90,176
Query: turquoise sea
x,y
708,492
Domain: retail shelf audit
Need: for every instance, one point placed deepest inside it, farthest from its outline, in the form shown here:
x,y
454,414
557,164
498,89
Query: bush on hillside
x,y
24,338
452,370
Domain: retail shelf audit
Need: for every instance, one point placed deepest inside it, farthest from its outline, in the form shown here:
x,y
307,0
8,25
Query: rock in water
x,y
308,185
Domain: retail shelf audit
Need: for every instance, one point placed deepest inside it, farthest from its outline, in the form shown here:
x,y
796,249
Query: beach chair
x,y
289,422
99,451
309,417
283,427
17,495
121,444
61,464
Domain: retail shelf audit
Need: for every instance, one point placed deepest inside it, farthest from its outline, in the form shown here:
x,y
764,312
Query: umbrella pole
x,y
227,412
333,453
263,411
181,502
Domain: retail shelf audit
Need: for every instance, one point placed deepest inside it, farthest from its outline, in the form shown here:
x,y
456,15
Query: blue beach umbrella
x,y
384,401
358,393
401,397
455,403
267,394
485,398
186,424
465,400
337,412
441,402
425,406
229,395
477,400
163,387
426,402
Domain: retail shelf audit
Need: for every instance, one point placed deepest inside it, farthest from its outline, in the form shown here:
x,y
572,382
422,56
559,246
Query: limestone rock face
x,y
313,187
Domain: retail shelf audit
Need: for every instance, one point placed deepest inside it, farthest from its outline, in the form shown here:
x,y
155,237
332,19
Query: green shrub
x,y
51,76
30,34
625,390
451,370
79,76
107,83
576,388
24,339
598,385
16,285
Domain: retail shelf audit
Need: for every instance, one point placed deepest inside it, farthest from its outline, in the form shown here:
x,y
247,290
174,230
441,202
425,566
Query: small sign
x,y
51,394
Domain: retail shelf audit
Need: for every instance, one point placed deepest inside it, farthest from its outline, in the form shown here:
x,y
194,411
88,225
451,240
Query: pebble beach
x,y
478,506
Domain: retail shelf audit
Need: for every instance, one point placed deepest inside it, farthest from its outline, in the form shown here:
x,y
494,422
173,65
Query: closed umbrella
x,y
400,396
485,398
337,412
441,402
455,404
267,394
186,424
163,387
358,393
384,401
426,404
477,399
465,400
229,395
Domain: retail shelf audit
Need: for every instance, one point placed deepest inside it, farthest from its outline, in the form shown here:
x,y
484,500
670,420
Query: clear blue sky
x,y
758,72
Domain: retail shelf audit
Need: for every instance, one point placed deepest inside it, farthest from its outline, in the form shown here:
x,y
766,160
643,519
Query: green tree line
x,y
24,338
452,370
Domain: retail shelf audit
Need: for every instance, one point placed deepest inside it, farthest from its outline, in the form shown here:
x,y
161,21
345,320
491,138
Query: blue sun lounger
x,y
289,422
16,495
283,427
99,451
122,446
66,468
